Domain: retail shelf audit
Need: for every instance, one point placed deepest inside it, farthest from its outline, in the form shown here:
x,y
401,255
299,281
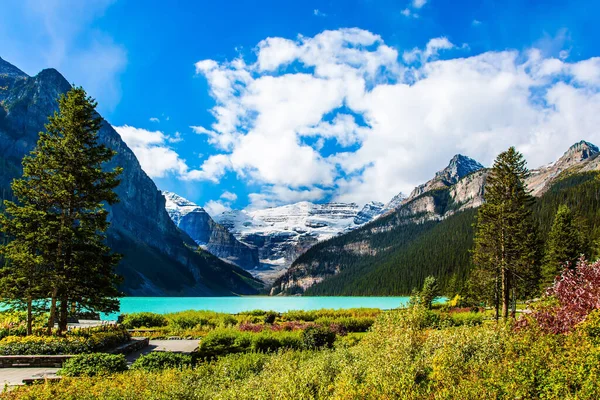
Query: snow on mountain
x,y
216,239
281,234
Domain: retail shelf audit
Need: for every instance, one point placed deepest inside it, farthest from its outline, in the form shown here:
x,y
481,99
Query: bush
x,y
74,342
200,320
318,338
270,317
591,327
159,360
466,318
95,364
221,342
578,294
144,320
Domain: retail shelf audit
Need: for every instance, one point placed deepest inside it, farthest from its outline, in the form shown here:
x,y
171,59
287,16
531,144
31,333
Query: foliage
x,y
577,293
504,252
57,227
221,342
427,294
95,364
318,337
74,342
159,360
402,357
564,246
144,319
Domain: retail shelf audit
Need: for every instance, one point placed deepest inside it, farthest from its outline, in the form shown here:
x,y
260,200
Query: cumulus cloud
x,y
418,3
152,151
154,119
319,13
229,196
216,207
341,116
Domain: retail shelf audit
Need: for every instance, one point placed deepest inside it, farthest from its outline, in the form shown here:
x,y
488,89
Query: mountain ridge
x,y
159,259
434,201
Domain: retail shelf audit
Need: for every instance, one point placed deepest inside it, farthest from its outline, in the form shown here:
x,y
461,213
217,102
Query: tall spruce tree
x,y
505,245
64,181
564,246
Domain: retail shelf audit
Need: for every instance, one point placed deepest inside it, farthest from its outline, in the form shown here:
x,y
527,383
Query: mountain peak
x,y
177,207
578,152
458,167
10,70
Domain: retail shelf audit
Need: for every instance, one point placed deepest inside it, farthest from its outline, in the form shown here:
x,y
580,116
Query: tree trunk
x,y
29,315
497,299
505,293
52,311
64,313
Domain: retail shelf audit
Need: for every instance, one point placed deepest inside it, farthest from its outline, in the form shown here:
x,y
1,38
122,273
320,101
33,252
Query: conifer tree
x,y
64,181
505,239
563,247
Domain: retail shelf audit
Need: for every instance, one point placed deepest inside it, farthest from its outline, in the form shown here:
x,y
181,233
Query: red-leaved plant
x,y
577,292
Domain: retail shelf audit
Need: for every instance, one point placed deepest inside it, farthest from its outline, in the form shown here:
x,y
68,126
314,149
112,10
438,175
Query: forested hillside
x,y
394,261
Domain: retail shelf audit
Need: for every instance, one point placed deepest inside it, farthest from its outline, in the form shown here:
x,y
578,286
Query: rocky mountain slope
x,y
159,258
457,188
212,237
280,234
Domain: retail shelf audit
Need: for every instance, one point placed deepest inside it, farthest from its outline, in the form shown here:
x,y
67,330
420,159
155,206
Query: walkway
x,y
173,346
15,376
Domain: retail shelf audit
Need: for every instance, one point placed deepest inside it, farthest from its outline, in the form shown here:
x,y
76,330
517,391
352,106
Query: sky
x,y
252,104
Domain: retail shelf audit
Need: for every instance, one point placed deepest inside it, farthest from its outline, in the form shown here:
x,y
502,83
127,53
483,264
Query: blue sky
x,y
350,100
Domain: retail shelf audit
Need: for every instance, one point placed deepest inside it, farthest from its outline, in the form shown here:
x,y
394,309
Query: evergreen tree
x,y
63,180
563,247
505,244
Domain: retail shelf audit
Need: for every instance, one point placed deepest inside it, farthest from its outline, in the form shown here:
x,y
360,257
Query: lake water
x,y
232,305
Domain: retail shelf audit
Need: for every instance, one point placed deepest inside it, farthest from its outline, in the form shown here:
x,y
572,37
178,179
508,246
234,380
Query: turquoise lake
x,y
234,305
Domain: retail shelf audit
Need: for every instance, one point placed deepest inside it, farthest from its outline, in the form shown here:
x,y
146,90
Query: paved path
x,y
15,376
174,346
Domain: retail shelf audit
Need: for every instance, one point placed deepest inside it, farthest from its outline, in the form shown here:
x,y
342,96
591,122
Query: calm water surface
x,y
234,305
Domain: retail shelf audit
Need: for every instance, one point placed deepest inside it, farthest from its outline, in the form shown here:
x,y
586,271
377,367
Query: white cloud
x,y
154,154
216,207
319,13
431,50
407,12
418,3
476,22
154,119
340,116
229,196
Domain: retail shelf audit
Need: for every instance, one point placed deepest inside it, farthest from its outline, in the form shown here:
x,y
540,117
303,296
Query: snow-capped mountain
x,y
216,239
282,233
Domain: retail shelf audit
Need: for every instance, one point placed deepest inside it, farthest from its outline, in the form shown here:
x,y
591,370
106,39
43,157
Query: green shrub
x,y
95,364
466,318
200,320
270,317
159,360
144,320
221,342
318,337
265,343
591,327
